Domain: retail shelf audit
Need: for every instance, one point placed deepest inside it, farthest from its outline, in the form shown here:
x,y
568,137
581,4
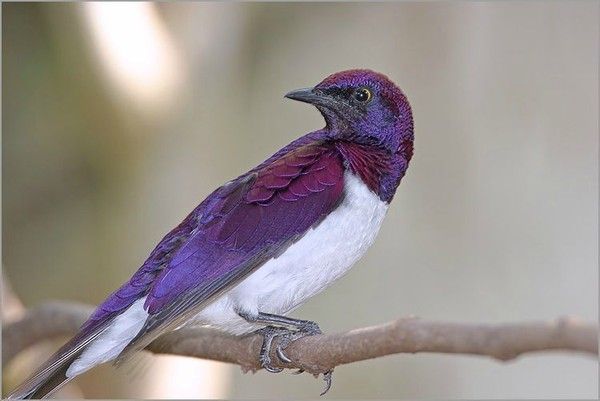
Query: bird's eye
x,y
362,95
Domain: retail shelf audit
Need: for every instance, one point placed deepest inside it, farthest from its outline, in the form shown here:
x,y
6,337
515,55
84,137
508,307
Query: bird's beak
x,y
308,95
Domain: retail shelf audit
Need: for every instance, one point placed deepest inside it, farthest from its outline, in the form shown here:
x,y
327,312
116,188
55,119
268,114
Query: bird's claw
x,y
266,364
309,328
268,333
287,336
283,357
328,377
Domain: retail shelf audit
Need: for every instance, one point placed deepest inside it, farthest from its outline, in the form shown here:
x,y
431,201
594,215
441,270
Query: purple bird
x,y
264,243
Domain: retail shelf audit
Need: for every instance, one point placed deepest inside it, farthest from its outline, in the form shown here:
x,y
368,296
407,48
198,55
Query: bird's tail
x,y
52,375
42,386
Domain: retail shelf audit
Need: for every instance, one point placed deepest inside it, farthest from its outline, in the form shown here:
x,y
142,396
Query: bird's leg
x,y
292,330
306,326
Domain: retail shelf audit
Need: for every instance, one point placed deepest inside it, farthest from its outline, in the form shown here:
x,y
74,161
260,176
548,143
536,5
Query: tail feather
x,y
52,374
43,387
93,345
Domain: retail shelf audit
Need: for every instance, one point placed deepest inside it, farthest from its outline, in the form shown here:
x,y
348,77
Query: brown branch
x,y
317,354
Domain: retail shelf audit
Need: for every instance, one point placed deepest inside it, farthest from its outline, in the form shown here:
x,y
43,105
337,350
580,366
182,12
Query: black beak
x,y
308,95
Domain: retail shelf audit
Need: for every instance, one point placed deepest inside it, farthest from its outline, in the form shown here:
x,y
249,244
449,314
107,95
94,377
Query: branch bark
x,y
318,354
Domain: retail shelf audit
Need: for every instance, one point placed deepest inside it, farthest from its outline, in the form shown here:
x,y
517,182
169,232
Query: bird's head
x,y
362,105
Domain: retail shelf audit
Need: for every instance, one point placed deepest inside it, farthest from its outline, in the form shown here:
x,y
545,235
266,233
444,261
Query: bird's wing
x,y
248,222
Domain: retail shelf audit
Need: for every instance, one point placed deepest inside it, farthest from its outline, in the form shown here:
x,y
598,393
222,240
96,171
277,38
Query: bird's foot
x,y
286,337
269,333
308,328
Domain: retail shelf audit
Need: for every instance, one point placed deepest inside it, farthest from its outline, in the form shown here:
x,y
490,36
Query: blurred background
x,y
118,118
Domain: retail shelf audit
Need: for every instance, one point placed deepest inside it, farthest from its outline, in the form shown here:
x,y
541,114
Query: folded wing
x,y
249,221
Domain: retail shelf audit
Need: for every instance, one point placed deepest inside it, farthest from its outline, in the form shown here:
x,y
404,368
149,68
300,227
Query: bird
x,y
265,242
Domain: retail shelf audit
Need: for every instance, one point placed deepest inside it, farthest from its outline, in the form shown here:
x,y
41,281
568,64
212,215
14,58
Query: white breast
x,y
321,256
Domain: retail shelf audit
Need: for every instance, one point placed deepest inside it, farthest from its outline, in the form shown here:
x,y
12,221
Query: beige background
x,y
118,119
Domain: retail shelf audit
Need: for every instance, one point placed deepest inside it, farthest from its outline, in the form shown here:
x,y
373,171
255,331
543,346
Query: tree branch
x,y
320,353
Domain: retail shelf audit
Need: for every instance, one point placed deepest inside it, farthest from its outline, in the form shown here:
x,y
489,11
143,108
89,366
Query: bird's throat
x,y
367,162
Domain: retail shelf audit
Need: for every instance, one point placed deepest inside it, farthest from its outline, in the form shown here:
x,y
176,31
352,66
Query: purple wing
x,y
250,220
139,284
